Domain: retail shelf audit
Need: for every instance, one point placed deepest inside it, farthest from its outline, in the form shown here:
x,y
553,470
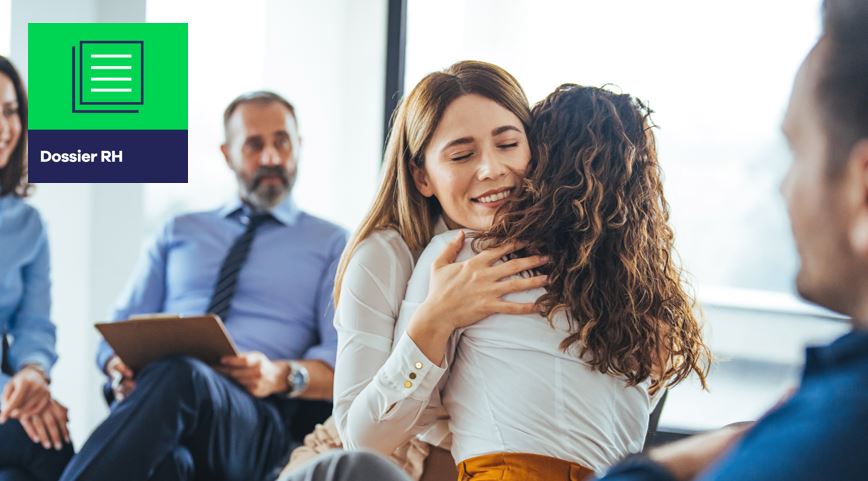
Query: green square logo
x,y
108,102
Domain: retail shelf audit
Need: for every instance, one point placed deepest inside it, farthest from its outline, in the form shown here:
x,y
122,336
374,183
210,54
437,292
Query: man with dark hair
x,y
819,433
267,269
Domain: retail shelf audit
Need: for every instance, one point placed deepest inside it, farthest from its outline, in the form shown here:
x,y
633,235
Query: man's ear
x,y
420,178
224,148
859,224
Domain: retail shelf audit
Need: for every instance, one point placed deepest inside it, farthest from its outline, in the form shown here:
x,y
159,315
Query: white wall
x,y
326,57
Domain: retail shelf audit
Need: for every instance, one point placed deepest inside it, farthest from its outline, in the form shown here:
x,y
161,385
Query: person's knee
x,y
347,466
175,378
176,369
354,465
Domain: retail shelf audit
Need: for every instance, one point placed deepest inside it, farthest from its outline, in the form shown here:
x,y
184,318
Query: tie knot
x,y
257,219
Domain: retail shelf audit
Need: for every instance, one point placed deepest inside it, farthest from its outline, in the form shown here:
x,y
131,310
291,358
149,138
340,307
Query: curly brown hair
x,y
593,202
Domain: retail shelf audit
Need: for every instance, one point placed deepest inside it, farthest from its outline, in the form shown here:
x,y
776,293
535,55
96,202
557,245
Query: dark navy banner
x,y
74,156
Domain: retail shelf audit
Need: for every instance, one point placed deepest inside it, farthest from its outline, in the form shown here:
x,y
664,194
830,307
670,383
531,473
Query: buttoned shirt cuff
x,y
39,360
638,468
409,373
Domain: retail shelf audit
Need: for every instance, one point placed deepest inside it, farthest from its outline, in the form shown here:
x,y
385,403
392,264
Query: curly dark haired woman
x,y
566,392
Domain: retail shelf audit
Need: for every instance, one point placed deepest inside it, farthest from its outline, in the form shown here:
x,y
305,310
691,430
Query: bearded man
x,y
267,269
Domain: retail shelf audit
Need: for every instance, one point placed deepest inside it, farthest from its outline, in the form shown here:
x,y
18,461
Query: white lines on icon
x,y
111,90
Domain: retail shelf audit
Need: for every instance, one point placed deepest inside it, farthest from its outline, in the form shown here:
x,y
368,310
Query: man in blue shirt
x,y
267,269
819,433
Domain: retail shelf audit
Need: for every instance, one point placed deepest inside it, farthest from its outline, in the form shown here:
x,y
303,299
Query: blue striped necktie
x,y
224,290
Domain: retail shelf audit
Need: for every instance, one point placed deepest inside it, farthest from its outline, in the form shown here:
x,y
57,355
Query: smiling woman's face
x,y
10,121
474,160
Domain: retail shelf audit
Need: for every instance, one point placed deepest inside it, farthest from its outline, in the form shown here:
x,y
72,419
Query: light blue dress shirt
x,y
25,287
283,302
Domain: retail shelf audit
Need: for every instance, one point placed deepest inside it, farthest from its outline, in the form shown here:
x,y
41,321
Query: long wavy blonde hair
x,y
398,204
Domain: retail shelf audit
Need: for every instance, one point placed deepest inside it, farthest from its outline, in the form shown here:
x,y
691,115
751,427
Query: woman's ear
x,y
420,178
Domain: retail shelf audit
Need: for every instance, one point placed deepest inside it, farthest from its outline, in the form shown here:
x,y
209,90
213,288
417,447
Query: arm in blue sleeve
x,y
326,350
32,331
638,468
818,434
146,290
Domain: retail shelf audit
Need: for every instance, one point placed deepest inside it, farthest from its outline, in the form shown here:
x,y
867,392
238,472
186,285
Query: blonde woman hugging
x,y
567,391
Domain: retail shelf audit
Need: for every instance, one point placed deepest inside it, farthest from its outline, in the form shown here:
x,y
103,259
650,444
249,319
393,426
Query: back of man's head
x,y
842,88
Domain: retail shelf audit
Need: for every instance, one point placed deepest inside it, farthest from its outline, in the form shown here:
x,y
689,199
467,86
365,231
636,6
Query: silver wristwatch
x,y
38,368
298,379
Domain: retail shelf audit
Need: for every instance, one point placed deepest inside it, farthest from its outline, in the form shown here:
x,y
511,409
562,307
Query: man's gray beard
x,y
267,197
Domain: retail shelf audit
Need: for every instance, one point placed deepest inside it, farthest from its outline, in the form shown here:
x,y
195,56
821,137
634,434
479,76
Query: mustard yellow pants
x,y
520,467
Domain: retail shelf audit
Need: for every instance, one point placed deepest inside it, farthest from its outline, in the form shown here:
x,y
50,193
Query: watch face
x,y
298,379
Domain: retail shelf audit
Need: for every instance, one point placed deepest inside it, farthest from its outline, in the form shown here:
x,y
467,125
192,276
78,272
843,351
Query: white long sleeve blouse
x,y
510,387
385,389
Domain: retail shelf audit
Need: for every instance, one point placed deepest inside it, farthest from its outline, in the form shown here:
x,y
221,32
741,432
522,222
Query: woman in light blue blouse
x,y
34,439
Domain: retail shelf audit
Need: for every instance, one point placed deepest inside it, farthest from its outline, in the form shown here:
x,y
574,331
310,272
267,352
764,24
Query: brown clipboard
x,y
144,339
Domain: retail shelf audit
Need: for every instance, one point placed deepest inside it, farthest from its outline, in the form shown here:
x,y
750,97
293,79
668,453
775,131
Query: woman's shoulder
x,y
21,217
383,244
440,241
383,254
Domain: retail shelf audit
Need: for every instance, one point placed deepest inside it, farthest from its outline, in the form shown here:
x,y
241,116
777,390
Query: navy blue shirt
x,y
282,306
821,433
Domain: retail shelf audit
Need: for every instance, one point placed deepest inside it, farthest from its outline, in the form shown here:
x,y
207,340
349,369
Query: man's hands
x,y
25,394
122,378
27,398
689,457
256,373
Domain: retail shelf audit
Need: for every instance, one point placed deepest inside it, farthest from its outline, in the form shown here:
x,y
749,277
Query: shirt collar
x,y
850,347
286,212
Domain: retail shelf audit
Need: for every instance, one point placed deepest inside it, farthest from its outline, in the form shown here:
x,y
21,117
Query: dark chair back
x,y
309,414
5,367
654,420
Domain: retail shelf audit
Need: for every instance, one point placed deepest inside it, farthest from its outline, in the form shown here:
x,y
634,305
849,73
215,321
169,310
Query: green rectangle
x,y
66,94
